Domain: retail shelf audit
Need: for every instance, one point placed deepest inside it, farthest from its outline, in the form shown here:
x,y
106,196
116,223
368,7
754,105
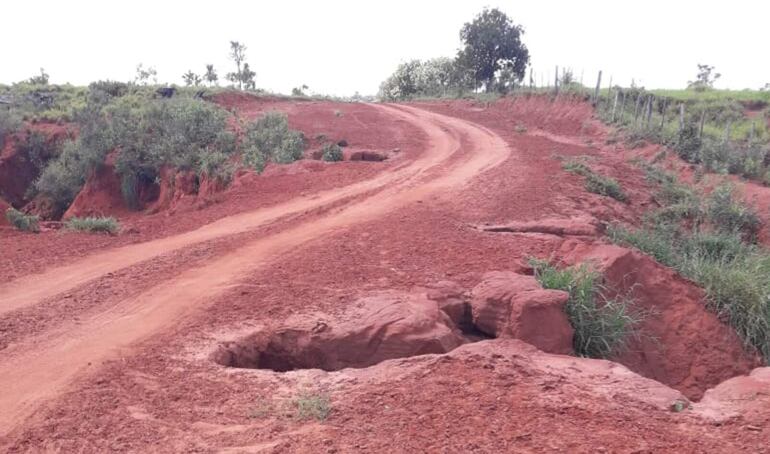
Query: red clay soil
x,y
128,365
360,125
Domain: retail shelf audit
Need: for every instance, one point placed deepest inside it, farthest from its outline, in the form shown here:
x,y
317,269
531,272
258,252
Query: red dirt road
x,y
40,368
118,358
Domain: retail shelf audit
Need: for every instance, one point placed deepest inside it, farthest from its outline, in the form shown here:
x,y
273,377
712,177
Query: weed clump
x,y
270,139
596,183
331,152
94,225
603,325
22,221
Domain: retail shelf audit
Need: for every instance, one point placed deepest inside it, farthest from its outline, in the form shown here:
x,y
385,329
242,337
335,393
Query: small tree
x,y
143,75
247,77
705,78
237,55
492,44
190,79
211,75
42,79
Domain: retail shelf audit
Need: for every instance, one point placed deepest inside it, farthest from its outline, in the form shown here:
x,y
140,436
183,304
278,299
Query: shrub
x,y
728,214
94,224
331,152
63,177
9,123
24,222
270,139
688,144
602,325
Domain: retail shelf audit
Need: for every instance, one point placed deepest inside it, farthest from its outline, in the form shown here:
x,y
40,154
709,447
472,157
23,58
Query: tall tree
x,y
42,79
237,55
493,44
247,77
211,75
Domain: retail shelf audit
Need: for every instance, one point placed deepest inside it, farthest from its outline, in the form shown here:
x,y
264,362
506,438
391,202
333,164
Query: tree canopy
x,y
493,45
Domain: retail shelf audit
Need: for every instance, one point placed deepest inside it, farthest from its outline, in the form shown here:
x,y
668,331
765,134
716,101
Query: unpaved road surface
x,y
39,368
110,348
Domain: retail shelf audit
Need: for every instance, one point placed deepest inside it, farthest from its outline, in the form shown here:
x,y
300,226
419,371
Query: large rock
x,y
383,326
507,304
682,343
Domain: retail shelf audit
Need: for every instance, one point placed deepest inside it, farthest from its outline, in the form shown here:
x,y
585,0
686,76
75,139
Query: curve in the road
x,y
41,367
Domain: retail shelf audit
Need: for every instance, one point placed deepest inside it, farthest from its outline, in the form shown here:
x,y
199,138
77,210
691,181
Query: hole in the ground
x,y
385,326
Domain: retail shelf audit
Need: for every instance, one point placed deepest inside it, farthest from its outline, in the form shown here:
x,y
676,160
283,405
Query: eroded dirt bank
x,y
111,386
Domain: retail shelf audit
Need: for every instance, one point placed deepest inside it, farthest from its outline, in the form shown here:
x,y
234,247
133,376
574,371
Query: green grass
x,y
714,95
603,326
596,183
714,250
94,225
22,221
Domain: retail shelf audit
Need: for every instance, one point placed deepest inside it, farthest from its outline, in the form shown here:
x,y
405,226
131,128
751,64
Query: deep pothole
x,y
387,325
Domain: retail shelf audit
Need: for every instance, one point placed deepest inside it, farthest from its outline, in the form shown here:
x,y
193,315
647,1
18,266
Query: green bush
x,y
331,152
24,222
183,132
688,144
9,122
728,214
94,224
270,139
603,326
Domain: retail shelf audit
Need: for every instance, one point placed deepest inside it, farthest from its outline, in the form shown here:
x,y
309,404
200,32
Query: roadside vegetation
x,y
603,324
711,240
93,224
595,182
22,221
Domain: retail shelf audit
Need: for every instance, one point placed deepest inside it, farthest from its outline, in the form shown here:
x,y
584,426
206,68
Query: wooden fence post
x,y
622,107
615,104
663,114
702,123
556,80
598,87
636,109
681,117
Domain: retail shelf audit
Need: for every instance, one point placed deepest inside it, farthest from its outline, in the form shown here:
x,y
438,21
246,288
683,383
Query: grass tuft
x,y
94,225
603,325
596,183
22,221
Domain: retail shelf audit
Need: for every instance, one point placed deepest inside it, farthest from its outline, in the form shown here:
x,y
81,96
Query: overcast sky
x,y
340,47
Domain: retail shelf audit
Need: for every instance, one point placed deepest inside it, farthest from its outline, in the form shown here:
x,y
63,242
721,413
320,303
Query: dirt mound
x,y
100,196
383,326
506,304
683,344
746,397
